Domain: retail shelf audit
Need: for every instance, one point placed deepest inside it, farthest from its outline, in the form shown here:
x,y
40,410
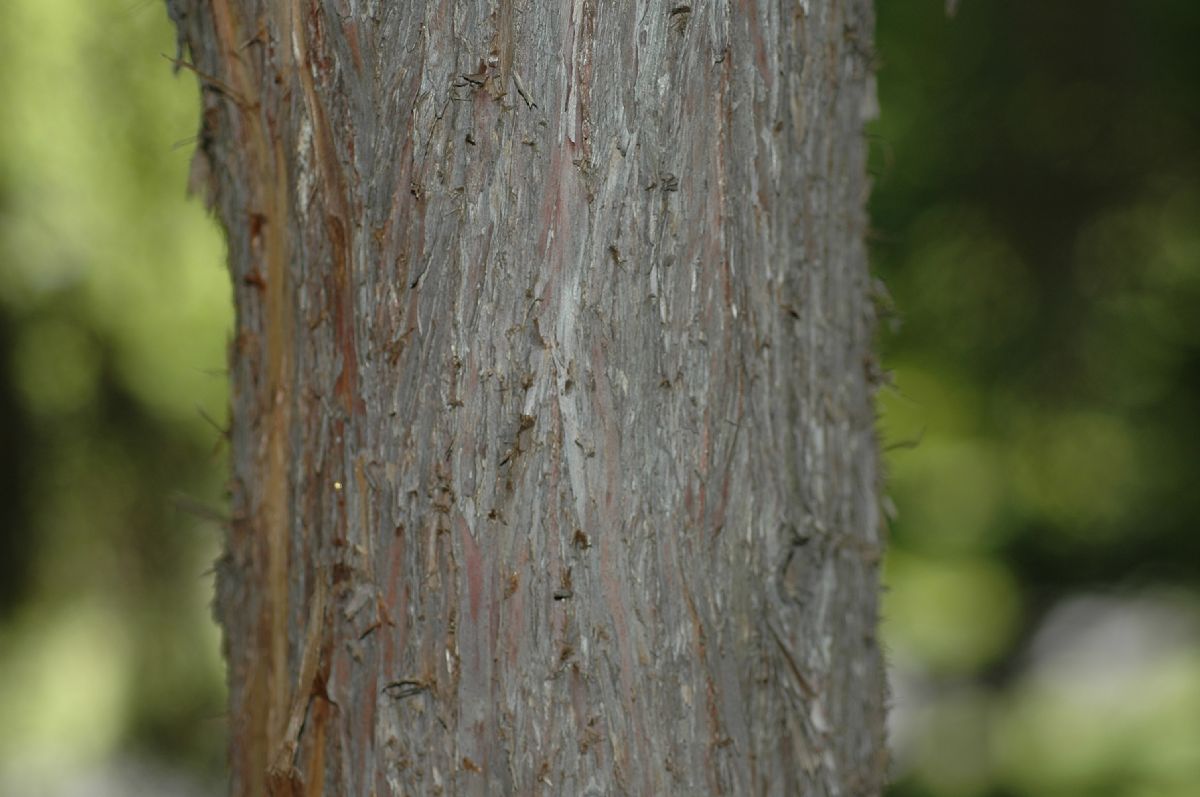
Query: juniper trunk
x,y
553,456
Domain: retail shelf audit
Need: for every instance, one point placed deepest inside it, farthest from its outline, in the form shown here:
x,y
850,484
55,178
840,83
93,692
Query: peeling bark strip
x,y
554,469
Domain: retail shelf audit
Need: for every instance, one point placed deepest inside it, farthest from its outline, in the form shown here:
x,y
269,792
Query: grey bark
x,y
554,468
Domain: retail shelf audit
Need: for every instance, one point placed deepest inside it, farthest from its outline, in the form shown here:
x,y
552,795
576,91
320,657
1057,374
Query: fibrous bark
x,y
553,460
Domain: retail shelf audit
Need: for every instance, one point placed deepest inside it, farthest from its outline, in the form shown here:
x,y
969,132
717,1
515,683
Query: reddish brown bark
x,y
554,469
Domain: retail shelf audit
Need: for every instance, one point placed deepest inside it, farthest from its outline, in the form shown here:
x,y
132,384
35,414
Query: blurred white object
x,y
1096,639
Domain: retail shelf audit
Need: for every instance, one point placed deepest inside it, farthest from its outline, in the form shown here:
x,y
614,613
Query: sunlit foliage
x,y
114,311
1037,221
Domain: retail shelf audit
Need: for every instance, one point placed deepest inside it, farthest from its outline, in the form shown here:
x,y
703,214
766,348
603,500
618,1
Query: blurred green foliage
x,y
114,310
1037,220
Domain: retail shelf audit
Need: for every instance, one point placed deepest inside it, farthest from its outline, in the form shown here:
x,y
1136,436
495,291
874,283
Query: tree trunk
x,y
553,458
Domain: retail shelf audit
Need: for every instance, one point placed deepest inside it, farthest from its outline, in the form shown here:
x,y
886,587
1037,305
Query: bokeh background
x,y
1036,223
114,312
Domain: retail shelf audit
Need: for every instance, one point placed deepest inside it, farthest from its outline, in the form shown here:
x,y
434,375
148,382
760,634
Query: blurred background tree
x,y
1036,221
